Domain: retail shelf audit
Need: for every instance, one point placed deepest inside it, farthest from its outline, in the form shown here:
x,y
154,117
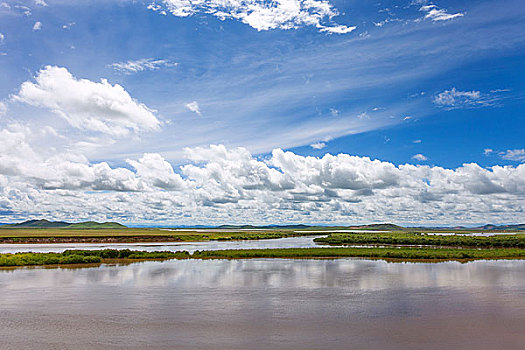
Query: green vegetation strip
x,y
398,238
98,256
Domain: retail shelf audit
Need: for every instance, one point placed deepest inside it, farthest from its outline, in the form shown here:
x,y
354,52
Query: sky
x,y
332,112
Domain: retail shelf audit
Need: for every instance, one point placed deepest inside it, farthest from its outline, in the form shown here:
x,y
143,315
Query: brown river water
x,y
265,304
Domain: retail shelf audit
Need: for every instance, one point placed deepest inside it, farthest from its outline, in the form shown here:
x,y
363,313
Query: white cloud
x,y
144,64
419,157
156,171
260,14
193,107
85,104
517,155
436,14
318,145
338,29
452,99
37,26
68,25
222,184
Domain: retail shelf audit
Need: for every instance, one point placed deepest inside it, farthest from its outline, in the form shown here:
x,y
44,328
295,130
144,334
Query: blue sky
x,y
437,84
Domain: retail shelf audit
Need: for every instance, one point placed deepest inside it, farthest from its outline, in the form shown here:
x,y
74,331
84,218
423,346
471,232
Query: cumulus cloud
x,y
219,184
436,14
85,104
260,14
453,99
194,107
143,64
156,171
517,155
37,26
419,157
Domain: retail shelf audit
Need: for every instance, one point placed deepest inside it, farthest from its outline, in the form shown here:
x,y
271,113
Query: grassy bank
x,y
401,238
99,256
392,253
84,257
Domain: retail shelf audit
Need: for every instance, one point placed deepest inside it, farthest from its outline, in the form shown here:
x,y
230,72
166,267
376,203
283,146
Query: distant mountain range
x,y
502,227
390,227
237,227
386,226
62,224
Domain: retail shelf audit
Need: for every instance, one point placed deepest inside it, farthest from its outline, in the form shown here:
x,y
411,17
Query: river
x,y
265,304
290,242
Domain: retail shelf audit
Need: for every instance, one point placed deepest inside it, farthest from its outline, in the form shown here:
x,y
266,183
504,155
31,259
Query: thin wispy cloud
x,y
454,99
517,155
435,13
3,108
141,65
24,9
68,25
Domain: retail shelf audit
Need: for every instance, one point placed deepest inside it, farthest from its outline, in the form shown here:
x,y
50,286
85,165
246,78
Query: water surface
x,y
290,242
266,304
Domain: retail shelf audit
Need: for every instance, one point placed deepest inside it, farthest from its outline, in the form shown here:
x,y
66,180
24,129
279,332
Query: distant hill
x,y
390,227
62,224
38,224
502,227
94,224
237,227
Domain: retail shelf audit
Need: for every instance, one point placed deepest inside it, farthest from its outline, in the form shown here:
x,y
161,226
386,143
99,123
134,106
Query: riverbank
x,y
401,254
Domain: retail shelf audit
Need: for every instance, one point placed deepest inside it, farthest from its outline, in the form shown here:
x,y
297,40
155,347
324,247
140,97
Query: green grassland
x,y
87,233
